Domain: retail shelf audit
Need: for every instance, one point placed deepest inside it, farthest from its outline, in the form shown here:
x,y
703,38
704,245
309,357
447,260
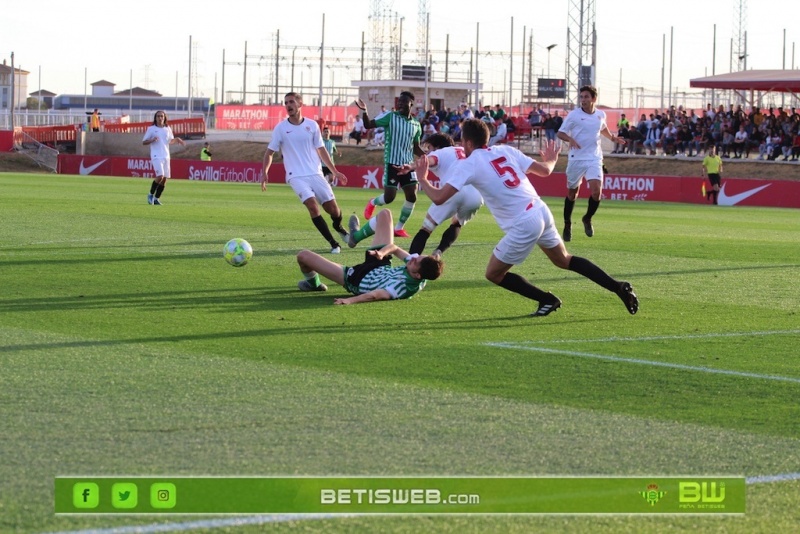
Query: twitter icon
x,y
124,495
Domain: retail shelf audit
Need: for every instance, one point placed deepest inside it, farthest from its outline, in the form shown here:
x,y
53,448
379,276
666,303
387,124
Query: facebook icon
x,y
85,495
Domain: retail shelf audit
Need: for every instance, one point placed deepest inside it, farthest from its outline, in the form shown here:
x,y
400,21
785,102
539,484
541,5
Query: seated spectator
x,y
622,133
796,146
727,142
510,126
669,139
455,130
635,139
770,147
653,137
739,142
378,136
491,124
498,113
433,117
685,139
428,130
358,131
500,136
786,146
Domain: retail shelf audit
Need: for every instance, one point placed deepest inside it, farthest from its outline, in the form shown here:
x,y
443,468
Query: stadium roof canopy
x,y
782,81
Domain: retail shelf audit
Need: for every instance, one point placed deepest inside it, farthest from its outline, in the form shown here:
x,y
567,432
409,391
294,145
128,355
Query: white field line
x,y
644,362
675,337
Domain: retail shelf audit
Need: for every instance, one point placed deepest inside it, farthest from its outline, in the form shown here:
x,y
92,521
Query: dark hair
x,y
430,268
591,89
297,96
408,94
475,130
165,117
439,140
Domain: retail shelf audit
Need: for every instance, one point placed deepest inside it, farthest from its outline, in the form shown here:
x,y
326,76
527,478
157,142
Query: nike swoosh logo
x,y
83,171
732,200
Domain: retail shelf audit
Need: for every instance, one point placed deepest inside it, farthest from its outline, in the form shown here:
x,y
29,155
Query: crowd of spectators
x,y
448,121
772,134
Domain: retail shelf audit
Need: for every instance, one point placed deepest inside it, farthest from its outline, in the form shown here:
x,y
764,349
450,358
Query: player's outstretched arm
x,y
549,159
373,296
437,196
368,123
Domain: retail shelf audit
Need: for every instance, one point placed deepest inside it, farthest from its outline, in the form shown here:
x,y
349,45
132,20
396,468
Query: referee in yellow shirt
x,y
712,166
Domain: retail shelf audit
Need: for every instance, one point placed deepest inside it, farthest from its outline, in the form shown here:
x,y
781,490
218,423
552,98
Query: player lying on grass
x,y
499,174
375,279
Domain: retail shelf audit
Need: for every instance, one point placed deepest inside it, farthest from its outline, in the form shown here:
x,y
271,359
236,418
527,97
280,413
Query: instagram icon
x,y
163,495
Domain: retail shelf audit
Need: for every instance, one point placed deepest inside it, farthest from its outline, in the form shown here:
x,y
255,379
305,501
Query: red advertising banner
x,y
258,118
734,192
6,140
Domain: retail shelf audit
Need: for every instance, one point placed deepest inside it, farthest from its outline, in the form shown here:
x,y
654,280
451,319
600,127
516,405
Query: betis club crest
x,y
652,495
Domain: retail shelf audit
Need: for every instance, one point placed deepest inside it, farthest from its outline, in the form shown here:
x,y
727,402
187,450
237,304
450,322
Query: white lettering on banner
x,y
225,174
245,113
623,183
139,165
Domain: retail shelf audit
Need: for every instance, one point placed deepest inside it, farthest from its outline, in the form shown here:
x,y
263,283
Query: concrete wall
x,y
111,144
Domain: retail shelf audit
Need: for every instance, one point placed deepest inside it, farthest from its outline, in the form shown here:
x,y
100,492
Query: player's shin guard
x,y
518,284
569,205
594,273
153,187
159,190
405,214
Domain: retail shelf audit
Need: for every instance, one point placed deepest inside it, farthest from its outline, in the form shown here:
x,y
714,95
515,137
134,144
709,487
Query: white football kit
x,y
298,144
499,174
587,161
463,204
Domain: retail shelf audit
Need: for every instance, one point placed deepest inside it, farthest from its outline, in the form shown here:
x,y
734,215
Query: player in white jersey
x,y
375,279
582,130
499,173
300,142
159,136
460,209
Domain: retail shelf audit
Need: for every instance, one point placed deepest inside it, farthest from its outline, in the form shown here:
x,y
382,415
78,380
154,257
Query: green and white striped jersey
x,y
395,280
401,135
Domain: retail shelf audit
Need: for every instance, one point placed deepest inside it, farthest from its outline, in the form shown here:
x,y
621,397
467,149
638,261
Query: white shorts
x,y
533,226
161,167
312,186
463,204
591,169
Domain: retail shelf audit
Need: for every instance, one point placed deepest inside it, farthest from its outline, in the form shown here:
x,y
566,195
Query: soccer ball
x,y
237,252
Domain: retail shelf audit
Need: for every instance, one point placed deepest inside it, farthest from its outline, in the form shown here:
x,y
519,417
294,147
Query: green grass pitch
x,y
129,347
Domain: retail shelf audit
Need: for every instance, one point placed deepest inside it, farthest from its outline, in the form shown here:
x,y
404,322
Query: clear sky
x,y
148,40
